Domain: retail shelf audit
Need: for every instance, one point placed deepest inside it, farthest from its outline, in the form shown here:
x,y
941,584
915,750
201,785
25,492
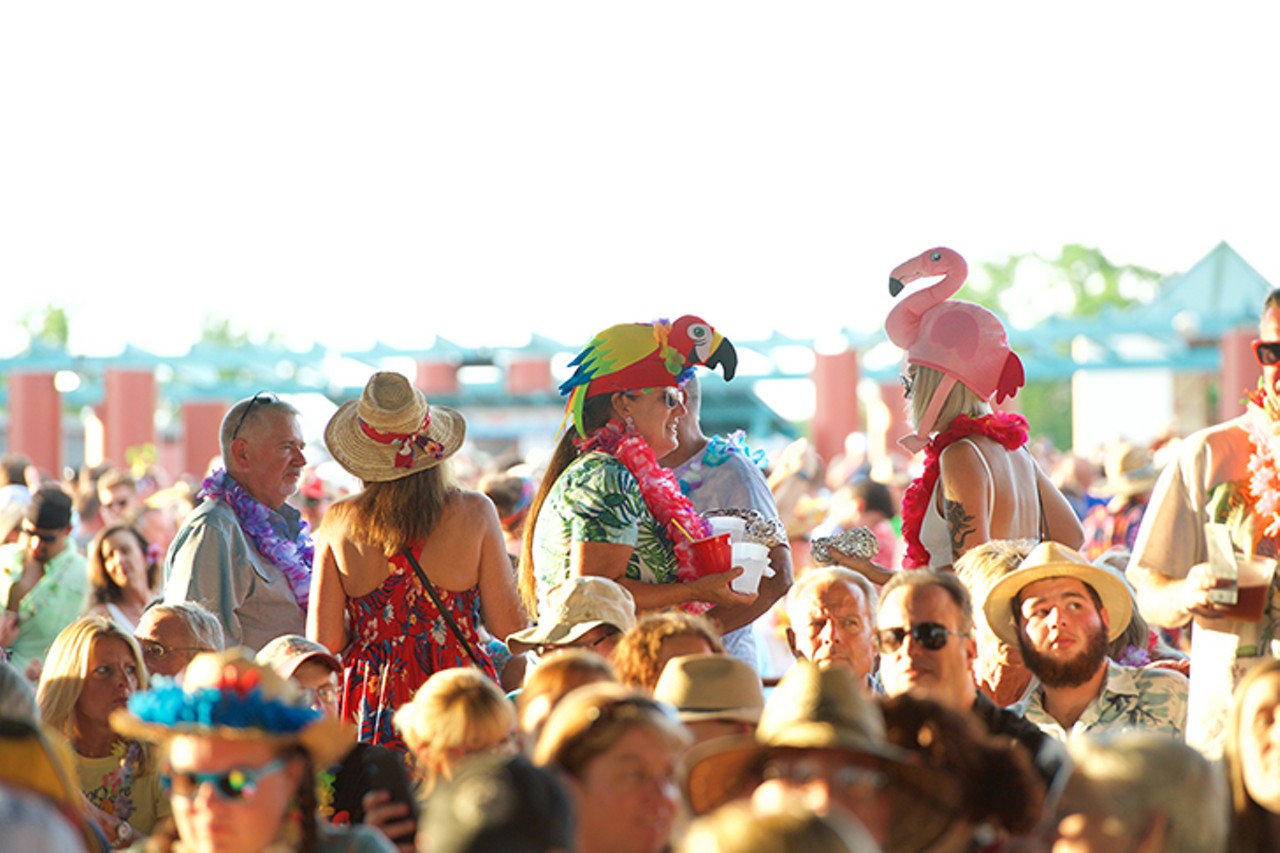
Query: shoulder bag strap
x,y
444,611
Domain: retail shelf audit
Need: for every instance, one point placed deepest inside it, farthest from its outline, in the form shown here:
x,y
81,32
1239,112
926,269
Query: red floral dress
x,y
400,638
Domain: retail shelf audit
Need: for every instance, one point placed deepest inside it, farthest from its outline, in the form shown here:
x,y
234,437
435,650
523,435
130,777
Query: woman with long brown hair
x,y
410,571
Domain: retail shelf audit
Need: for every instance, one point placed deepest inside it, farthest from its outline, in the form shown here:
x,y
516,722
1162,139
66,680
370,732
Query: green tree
x,y
47,326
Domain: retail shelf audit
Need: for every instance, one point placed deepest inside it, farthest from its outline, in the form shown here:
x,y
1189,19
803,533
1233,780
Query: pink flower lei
x,y
659,489
1264,471
292,557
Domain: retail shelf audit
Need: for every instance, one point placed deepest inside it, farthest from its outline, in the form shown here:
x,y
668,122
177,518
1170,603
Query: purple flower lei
x,y
291,557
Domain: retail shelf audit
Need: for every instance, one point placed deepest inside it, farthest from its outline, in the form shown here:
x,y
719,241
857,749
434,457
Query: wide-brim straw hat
x,y
711,687
572,608
1128,471
1055,560
815,708
391,432
228,695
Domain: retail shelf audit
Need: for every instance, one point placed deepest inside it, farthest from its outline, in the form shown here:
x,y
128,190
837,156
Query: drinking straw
x,y
682,530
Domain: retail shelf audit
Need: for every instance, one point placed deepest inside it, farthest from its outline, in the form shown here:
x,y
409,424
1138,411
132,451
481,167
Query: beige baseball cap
x,y
572,608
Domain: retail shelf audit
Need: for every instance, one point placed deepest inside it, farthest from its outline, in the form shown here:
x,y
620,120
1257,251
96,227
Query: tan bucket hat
x,y
814,708
391,432
1055,560
287,652
711,687
572,608
228,695
1129,470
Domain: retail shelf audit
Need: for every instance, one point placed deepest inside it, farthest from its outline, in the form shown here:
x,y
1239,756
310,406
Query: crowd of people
x,y
958,650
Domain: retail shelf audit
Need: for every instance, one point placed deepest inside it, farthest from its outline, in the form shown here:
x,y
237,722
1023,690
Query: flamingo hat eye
x,y
935,256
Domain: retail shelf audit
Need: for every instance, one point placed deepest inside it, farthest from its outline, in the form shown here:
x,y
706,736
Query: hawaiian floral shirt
x,y
1131,698
597,499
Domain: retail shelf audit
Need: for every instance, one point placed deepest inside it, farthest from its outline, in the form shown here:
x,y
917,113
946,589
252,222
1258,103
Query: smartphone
x,y
1222,563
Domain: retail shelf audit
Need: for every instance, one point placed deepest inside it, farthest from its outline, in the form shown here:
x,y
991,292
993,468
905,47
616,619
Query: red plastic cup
x,y
715,553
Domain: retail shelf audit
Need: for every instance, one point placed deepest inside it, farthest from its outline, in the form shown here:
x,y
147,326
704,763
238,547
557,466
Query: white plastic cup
x,y
753,558
734,526
743,551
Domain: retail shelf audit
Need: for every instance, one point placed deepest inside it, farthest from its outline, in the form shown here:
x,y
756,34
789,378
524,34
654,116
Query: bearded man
x,y
1062,611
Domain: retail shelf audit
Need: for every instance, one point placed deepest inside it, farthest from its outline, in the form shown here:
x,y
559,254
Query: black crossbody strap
x,y
444,611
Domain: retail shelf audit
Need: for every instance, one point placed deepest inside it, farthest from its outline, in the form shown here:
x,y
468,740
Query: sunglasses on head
x,y
238,783
260,397
931,635
671,397
1267,352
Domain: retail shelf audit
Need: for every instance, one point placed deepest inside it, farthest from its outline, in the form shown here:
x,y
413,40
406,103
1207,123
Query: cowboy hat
x,y
228,695
1055,560
391,432
1129,471
823,709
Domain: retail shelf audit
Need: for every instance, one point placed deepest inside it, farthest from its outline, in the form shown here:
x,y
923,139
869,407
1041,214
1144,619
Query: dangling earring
x,y
630,422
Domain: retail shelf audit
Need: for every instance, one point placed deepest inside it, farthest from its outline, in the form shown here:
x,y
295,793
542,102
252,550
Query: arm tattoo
x,y
960,523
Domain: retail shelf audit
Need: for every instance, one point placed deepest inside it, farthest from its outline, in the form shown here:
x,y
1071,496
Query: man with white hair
x,y
832,622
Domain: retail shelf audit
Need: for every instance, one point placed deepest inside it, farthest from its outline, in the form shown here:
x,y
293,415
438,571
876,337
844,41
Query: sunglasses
x,y
46,538
1267,352
671,397
238,783
580,643
931,635
908,382
260,397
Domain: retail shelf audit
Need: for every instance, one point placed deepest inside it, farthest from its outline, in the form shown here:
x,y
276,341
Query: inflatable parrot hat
x,y
966,342
632,356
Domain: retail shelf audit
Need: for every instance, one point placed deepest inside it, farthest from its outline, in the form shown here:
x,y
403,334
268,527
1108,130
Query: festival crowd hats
x,y
391,432
286,653
572,608
964,341
1055,560
634,356
823,709
1129,471
228,695
711,687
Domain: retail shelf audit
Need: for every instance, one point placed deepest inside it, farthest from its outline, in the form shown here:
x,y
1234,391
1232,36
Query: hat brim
x,y
1125,487
557,634
732,715
924,801
326,740
1112,591
374,462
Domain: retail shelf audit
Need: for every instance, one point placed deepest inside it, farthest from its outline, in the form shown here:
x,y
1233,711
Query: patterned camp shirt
x,y
597,499
1131,698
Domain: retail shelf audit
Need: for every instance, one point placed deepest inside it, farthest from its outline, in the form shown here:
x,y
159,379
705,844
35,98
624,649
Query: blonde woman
x,y
92,669
657,638
618,751
456,715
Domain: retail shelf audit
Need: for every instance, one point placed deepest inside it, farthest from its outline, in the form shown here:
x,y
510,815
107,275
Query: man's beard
x,y
1069,673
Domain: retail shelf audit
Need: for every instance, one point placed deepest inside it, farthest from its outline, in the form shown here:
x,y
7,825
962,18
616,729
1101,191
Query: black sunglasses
x,y
931,635
46,538
1267,352
908,382
260,397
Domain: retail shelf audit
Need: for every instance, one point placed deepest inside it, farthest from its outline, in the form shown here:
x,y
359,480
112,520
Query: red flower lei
x,y
1008,429
658,488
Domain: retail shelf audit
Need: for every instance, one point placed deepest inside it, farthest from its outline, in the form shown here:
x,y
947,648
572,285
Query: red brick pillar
x,y
835,381
129,412
1239,371
529,375
201,422
899,424
436,377
35,419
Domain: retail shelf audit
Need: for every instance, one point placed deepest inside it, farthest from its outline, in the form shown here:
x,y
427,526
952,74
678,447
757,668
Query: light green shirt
x,y
57,599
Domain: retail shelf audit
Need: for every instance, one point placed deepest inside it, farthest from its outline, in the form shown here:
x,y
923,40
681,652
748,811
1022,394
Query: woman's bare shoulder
x,y
472,503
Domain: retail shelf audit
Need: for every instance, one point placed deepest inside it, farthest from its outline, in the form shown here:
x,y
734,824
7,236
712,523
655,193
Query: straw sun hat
x,y
391,432
1054,560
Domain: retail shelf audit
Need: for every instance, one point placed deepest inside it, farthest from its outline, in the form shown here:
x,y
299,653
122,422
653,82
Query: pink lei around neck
x,y
660,491
292,557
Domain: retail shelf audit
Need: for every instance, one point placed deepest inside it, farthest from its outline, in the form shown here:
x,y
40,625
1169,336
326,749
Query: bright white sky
x,y
344,173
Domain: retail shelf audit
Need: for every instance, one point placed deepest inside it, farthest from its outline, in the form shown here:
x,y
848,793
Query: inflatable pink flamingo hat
x,y
966,342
